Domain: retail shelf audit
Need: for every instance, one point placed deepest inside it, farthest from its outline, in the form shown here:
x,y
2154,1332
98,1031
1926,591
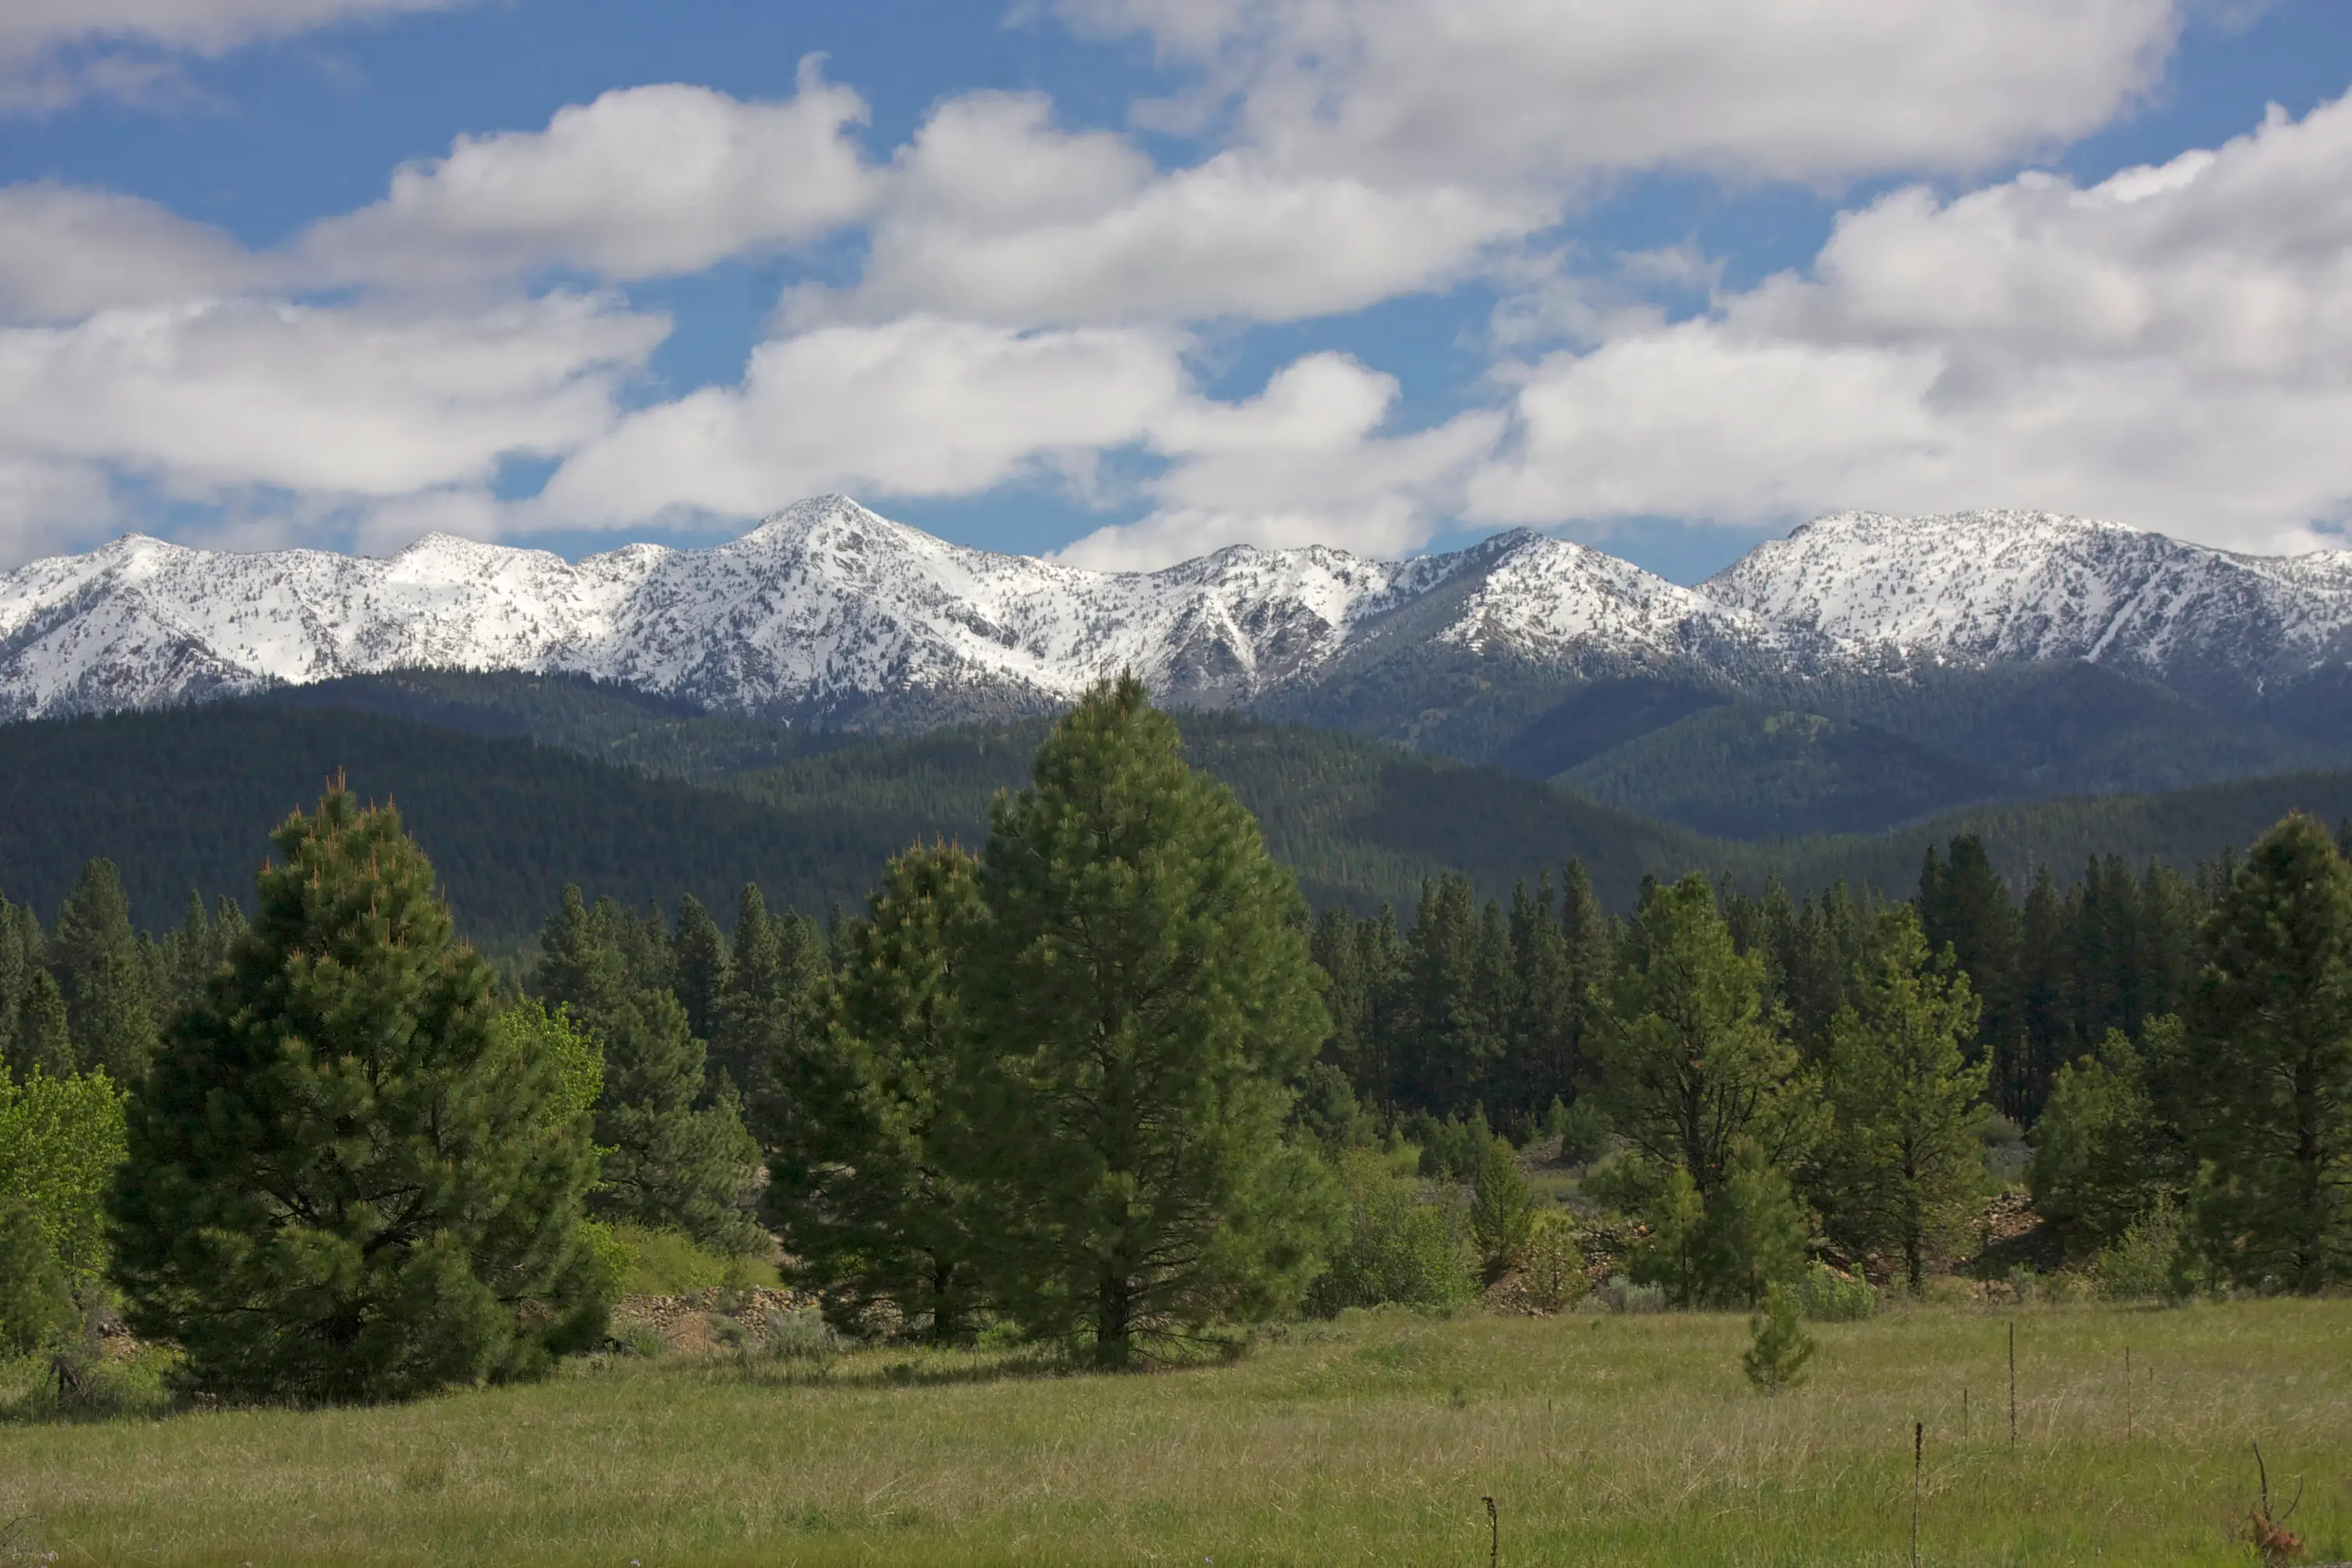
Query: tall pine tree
x,y
96,959
341,1185
1143,996
2270,1031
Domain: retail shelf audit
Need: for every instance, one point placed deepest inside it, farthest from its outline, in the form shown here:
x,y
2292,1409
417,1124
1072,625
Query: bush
x,y
802,1334
1554,1271
649,1262
2147,1263
1827,1295
1452,1150
1622,1295
1582,1130
1399,1247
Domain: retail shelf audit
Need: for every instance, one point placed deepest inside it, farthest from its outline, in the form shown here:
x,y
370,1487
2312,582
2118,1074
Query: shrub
x,y
1452,1150
1623,1295
2147,1262
1399,1247
802,1334
1582,1130
1554,1270
1827,1295
1779,1347
649,1262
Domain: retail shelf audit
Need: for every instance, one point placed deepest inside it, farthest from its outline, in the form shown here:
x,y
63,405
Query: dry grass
x,y
1605,1440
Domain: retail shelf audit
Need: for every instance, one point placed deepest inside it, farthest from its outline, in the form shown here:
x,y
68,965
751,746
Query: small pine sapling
x,y
1502,1210
1553,1270
1779,1348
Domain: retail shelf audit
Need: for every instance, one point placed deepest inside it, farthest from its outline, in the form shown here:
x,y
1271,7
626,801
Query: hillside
x,y
186,798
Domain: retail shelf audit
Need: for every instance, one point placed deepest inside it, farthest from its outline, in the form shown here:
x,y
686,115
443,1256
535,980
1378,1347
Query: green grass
x,y
1605,1440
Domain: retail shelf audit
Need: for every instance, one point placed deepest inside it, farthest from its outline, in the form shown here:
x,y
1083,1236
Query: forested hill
x,y
185,799
500,778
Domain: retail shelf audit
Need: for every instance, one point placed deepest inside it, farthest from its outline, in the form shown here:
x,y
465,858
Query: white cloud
x,y
1303,463
644,181
66,253
209,399
53,52
917,406
2171,348
993,215
1508,90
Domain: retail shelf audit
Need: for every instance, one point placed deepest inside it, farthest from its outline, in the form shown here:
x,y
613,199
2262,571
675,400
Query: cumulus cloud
x,y
919,406
2171,347
53,52
644,181
1303,463
208,400
992,214
1505,90
66,253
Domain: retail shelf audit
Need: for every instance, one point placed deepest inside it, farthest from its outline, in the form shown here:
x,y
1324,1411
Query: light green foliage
x,y
1693,1052
1829,1296
670,1262
343,1184
2272,1088
1778,1346
1903,1166
1142,995
1502,1209
1402,1244
60,1140
2148,1262
1553,1270
537,1032
860,1183
2099,1151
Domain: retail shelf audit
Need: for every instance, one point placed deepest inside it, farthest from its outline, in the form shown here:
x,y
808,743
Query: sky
x,y
1124,281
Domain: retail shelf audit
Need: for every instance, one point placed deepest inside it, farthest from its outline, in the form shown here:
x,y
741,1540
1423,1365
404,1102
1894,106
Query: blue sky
x,y
1130,280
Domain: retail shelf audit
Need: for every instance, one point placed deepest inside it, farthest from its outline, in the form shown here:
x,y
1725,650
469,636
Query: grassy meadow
x,y
1605,1439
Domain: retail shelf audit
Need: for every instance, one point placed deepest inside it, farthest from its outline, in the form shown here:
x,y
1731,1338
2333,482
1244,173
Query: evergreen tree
x,y
1502,1209
1543,1036
20,957
769,1010
1144,994
1691,1052
2046,1031
1347,993
1752,1236
860,1186
1965,906
340,1185
96,959
2100,1157
581,969
2268,1030
669,1163
44,1042
1903,1161
700,954
1453,1034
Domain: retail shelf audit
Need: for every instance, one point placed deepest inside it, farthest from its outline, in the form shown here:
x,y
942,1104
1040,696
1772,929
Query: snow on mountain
x,y
829,614
1986,587
826,610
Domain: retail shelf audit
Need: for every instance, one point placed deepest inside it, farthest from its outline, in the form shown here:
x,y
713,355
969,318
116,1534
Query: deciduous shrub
x,y
1402,1245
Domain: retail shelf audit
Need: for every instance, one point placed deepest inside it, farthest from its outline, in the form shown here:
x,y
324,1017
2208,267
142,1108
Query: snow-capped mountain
x,y
825,611
2006,587
829,614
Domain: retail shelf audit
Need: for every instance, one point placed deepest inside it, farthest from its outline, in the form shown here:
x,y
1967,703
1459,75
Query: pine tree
x,y
2100,1156
1693,1054
1144,994
861,1185
44,1042
340,1186
20,957
2044,1022
769,1011
96,959
1754,1232
1453,1035
581,967
668,1163
1778,1346
1968,909
2268,1030
1902,1161
1501,1207
701,962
